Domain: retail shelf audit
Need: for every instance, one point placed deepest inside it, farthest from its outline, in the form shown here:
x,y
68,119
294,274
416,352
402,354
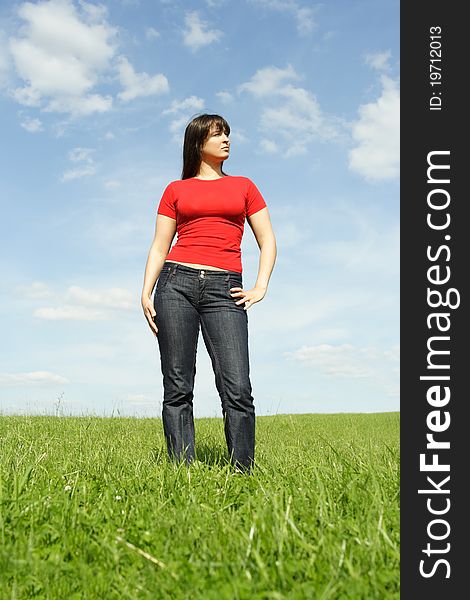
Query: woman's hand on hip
x,y
248,297
149,312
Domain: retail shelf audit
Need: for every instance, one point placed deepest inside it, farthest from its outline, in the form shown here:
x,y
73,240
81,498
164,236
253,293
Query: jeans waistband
x,y
172,266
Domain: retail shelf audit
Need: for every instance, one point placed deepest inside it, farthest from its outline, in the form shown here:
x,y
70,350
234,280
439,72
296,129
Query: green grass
x,y
91,508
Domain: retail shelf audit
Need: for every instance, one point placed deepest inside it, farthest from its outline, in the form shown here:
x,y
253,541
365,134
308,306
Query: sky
x,y
94,100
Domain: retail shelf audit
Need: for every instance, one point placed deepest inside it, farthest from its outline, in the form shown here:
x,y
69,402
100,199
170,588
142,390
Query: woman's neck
x,y
210,171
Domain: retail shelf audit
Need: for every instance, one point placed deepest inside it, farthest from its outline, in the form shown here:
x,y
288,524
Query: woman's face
x,y
217,145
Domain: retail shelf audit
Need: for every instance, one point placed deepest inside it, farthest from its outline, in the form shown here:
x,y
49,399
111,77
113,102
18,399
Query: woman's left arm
x,y
260,223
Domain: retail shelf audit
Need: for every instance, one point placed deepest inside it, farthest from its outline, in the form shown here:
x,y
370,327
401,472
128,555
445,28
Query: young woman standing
x,y
200,285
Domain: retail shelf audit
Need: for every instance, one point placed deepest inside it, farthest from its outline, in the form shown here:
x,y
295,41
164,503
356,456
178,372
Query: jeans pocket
x,y
163,280
234,281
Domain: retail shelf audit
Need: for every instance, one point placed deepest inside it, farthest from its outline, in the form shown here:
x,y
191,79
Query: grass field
x,y
91,508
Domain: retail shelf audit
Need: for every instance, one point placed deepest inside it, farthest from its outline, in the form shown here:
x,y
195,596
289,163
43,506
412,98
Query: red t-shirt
x,y
210,217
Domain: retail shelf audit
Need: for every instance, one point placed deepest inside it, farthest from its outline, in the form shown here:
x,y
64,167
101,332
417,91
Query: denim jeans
x,y
186,298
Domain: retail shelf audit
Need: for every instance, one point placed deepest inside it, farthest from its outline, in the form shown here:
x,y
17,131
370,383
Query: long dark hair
x,y
195,135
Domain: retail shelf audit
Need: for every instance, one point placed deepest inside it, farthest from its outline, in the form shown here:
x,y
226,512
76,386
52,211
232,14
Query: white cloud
x,y
294,114
60,128
215,3
299,120
197,32
31,378
70,313
225,97
182,109
81,304
60,53
112,298
303,15
112,184
376,156
191,103
5,65
88,167
81,154
27,96
344,360
151,33
139,84
378,60
79,172
80,106
238,135
269,146
31,125
95,12
176,126
267,81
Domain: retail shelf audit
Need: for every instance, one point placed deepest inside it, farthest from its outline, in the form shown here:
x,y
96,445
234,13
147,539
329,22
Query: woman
x,y
200,284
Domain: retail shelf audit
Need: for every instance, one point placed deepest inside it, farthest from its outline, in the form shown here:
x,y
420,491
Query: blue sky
x,y
94,100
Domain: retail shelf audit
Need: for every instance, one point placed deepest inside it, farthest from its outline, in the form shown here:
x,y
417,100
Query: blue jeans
x,y
186,298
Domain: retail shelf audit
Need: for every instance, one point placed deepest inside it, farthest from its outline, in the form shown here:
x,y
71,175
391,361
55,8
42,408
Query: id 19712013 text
x,y
435,67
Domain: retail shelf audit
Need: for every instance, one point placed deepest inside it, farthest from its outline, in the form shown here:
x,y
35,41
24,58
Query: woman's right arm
x,y
165,229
